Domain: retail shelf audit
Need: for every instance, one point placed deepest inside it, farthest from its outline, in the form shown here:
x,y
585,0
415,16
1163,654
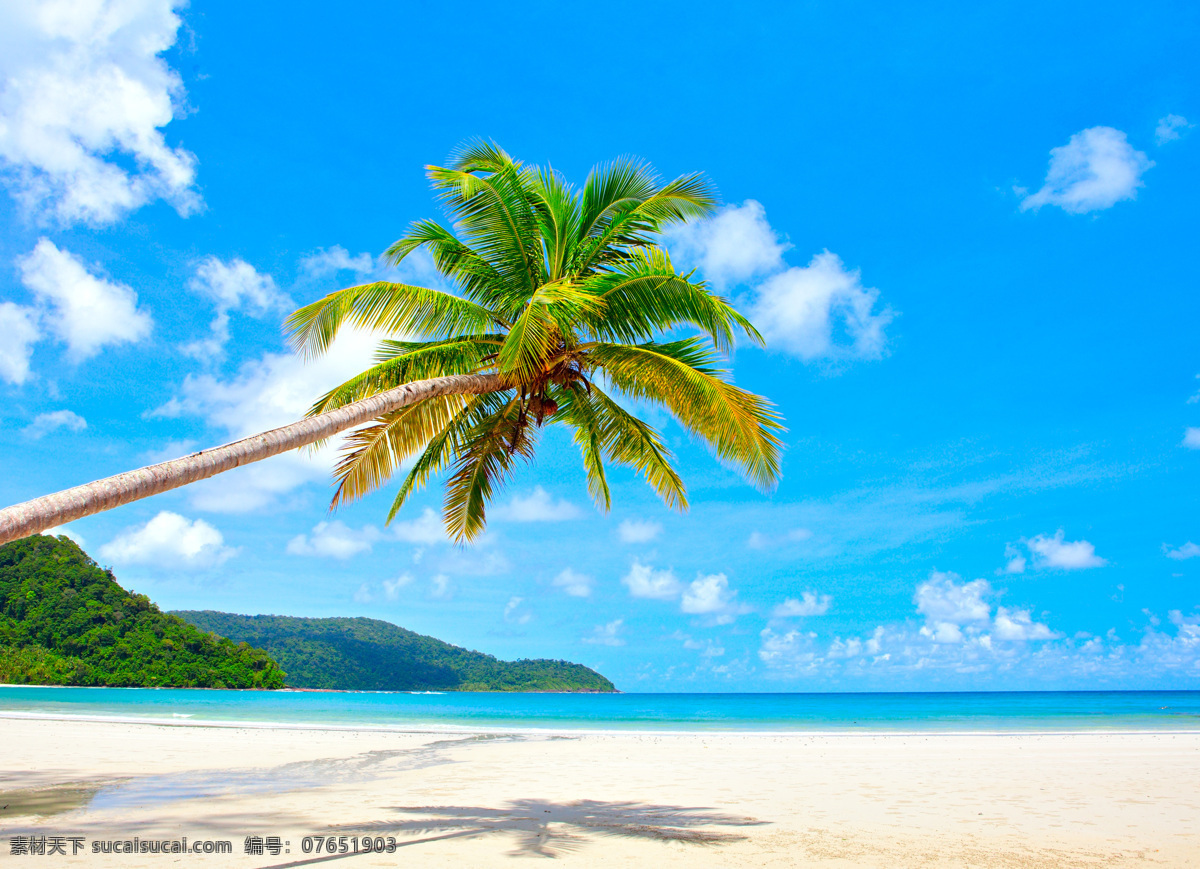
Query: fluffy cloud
x,y
18,325
574,584
231,286
441,587
426,530
1187,550
268,392
170,541
820,311
733,246
334,540
85,311
1095,170
1191,438
711,596
637,531
538,506
793,650
957,612
329,261
809,604
607,634
84,98
646,582
942,599
1014,624
1057,553
1169,128
44,423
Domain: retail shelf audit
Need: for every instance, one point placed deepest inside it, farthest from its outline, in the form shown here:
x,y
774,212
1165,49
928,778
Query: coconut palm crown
x,y
564,296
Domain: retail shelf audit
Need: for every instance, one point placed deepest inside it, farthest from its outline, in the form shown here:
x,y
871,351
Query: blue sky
x,y
968,234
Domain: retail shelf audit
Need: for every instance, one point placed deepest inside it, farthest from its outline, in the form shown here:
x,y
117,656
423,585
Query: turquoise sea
x,y
1009,711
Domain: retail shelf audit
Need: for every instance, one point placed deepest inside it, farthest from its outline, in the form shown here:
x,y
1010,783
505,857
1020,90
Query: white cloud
x,y
1191,438
170,541
88,312
1187,550
1016,561
956,612
732,246
391,587
334,540
1169,127
638,531
809,604
711,596
19,326
1014,624
274,390
1055,552
84,98
821,311
44,423
426,530
607,634
515,612
646,582
948,605
364,595
574,584
538,506
231,286
441,587
1095,170
329,261
789,651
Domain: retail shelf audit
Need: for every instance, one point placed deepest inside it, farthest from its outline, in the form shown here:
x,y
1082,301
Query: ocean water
x,y
991,711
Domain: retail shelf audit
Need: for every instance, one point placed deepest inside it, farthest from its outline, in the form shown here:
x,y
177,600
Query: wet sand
x,y
600,799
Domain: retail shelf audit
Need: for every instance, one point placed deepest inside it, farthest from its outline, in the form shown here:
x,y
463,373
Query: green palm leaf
x,y
557,291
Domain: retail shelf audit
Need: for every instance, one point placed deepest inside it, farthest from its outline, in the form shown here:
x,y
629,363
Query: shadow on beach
x,y
548,829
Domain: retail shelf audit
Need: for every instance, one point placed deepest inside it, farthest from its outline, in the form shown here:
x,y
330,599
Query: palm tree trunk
x,y
49,511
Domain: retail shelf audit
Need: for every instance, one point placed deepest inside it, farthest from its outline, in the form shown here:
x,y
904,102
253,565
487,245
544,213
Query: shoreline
x,y
992,800
465,729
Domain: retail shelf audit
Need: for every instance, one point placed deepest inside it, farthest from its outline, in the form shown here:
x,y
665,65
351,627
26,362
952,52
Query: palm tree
x,y
565,303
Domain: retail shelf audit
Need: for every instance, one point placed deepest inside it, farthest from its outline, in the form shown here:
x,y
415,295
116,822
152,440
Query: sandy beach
x,y
607,799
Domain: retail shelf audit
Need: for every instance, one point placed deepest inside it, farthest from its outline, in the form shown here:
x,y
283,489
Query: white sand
x,y
611,799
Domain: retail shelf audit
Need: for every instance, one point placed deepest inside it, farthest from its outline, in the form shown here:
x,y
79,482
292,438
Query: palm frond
x,y
605,429
387,307
403,362
544,326
742,427
491,450
373,453
477,278
441,449
645,296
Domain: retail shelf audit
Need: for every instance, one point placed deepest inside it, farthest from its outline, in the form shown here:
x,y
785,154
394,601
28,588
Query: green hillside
x,y
64,621
372,655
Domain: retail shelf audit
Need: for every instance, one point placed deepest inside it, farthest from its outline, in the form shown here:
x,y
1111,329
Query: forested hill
x,y
64,621
372,655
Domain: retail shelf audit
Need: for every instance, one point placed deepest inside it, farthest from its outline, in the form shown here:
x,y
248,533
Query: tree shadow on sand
x,y
548,829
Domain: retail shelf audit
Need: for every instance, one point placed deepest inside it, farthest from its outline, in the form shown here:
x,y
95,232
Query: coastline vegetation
x,y
66,621
372,655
